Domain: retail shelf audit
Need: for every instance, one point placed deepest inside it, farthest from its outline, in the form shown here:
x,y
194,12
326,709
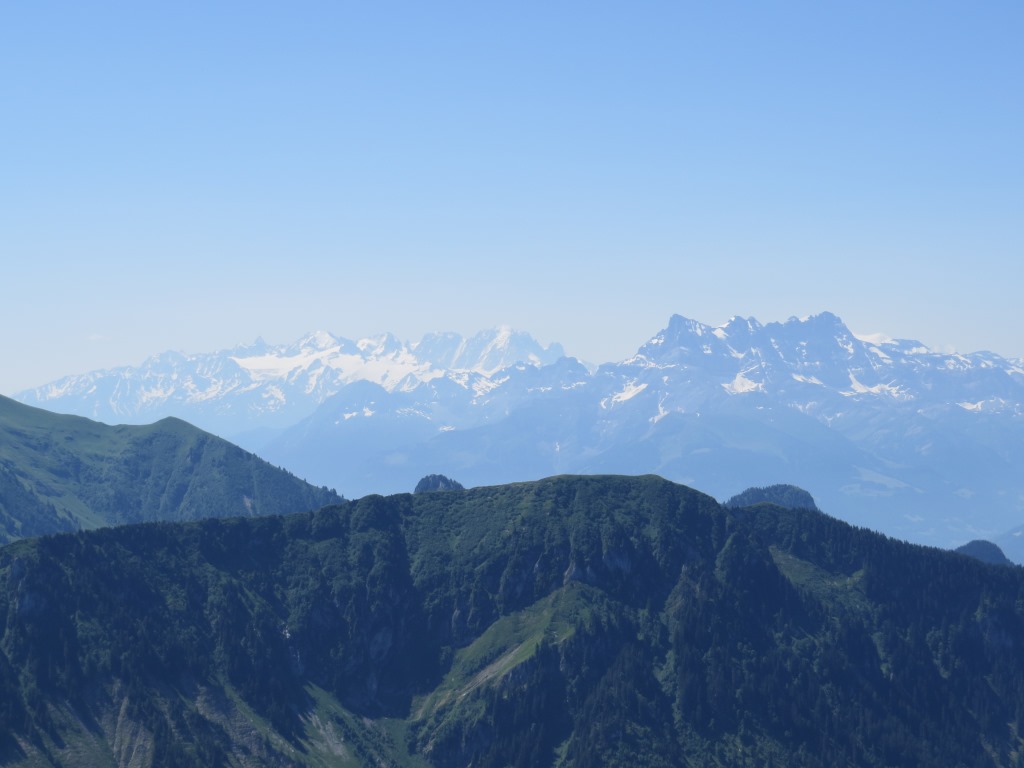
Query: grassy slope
x,y
60,473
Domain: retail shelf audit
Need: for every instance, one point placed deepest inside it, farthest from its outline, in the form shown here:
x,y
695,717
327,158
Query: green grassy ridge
x,y
60,473
574,621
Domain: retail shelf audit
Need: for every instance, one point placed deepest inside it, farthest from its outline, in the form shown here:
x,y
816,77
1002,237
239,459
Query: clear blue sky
x,y
193,175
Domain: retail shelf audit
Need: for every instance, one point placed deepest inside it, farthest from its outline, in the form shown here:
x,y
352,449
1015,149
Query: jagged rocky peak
x,y
822,319
258,347
381,345
439,349
681,327
738,331
681,332
504,346
570,366
689,342
823,324
821,338
315,342
318,340
738,323
828,324
170,357
487,351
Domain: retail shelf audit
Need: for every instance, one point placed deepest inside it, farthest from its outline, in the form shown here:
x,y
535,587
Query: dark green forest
x,y
575,621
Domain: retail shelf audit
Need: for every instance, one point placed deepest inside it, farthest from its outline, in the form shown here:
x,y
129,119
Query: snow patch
x,y
628,392
874,338
274,394
631,390
742,385
662,411
641,361
352,414
156,394
807,379
856,388
483,385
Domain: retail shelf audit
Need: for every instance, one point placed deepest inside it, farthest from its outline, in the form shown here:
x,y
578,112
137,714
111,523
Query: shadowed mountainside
x,y
576,621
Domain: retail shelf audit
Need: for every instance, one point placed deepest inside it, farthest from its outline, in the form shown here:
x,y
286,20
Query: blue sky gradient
x,y
193,175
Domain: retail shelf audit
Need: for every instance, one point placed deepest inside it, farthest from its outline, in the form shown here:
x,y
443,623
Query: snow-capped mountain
x,y
883,432
262,387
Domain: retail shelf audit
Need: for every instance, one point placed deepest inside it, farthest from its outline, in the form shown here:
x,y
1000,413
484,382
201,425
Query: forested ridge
x,y
583,621
63,473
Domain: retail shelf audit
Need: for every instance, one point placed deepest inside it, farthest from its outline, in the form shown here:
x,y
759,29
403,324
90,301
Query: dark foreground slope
x,y
584,621
61,473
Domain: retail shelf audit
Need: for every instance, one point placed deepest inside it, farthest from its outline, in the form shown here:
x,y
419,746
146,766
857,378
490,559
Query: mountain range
x,y
575,621
260,387
885,433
